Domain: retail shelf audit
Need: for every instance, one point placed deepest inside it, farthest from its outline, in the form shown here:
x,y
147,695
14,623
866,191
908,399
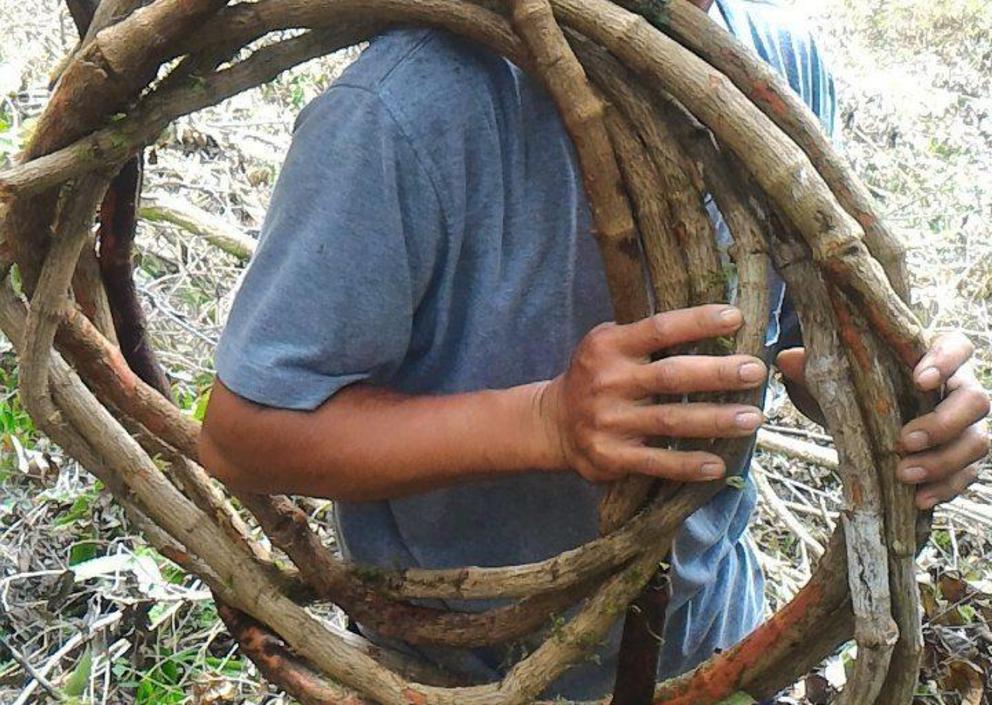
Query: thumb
x,y
792,364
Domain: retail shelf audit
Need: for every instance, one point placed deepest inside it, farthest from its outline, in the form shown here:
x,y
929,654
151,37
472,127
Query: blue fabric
x,y
429,233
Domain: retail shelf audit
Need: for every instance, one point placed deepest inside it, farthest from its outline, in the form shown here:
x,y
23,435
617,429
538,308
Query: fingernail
x,y
712,470
732,316
748,420
929,378
917,440
912,475
751,372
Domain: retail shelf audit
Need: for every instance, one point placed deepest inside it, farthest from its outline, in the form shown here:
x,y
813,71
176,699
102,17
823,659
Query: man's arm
x,y
366,443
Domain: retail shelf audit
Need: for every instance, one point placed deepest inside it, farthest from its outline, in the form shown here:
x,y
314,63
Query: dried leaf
x,y
214,691
965,679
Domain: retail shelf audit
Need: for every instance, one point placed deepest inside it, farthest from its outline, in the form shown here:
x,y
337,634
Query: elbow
x,y
240,453
254,450
223,450
224,468
242,477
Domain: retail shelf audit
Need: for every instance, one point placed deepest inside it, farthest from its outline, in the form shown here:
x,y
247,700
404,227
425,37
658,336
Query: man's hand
x,y
598,413
944,448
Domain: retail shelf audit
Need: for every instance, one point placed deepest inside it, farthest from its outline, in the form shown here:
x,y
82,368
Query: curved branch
x,y
782,169
766,88
288,528
830,379
800,635
50,298
118,226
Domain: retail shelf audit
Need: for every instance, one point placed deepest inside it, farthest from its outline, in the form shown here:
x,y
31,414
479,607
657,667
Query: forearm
x,y
366,443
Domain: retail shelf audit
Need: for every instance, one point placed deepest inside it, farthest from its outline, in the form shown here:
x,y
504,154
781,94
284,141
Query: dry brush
x,y
662,107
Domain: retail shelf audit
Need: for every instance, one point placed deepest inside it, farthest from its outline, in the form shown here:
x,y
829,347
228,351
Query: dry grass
x,y
914,79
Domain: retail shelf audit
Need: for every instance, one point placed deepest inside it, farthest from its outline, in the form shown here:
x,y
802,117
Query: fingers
x,y
965,405
944,463
685,374
947,444
792,364
949,352
675,465
695,420
665,330
935,493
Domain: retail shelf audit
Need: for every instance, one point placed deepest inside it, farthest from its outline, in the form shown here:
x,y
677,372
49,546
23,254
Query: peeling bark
x,y
686,113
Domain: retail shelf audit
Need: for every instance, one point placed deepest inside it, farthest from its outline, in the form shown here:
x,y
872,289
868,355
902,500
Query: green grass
x,y
167,678
15,423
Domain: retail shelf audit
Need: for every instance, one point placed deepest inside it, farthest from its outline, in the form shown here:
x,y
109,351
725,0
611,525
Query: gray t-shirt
x,y
429,233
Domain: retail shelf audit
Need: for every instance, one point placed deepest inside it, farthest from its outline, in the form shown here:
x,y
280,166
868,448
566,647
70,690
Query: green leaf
x,y
200,408
75,684
82,551
79,510
740,698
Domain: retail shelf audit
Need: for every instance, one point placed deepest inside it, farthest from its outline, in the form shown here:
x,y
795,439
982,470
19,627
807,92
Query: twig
x,y
805,433
71,644
799,450
161,208
777,506
36,676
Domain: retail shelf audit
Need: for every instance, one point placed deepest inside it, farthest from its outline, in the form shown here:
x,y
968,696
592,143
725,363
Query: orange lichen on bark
x,y
849,333
767,94
722,677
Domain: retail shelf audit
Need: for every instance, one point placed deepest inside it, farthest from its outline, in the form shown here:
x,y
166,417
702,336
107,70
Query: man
x,y
423,336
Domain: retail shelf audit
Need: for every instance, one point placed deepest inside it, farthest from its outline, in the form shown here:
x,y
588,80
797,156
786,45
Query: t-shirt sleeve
x,y
345,254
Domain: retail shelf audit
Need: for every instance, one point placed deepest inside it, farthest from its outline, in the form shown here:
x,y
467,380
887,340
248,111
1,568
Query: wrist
x,y
545,424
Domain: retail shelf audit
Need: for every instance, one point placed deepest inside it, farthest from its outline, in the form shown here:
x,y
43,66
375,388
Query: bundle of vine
x,y
662,107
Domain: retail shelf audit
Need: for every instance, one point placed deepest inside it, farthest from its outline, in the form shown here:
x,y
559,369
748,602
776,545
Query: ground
x,y
94,612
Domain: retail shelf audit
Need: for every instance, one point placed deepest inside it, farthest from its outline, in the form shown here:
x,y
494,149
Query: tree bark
x,y
758,165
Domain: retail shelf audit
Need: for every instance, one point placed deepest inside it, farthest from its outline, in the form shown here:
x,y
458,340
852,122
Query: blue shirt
x,y
429,233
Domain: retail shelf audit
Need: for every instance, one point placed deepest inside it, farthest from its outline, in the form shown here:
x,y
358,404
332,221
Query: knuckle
x,y
980,441
981,401
596,450
727,372
611,467
591,472
971,475
941,425
713,425
604,382
964,342
599,341
964,479
607,420
666,376
688,465
659,327
658,464
723,421
664,420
